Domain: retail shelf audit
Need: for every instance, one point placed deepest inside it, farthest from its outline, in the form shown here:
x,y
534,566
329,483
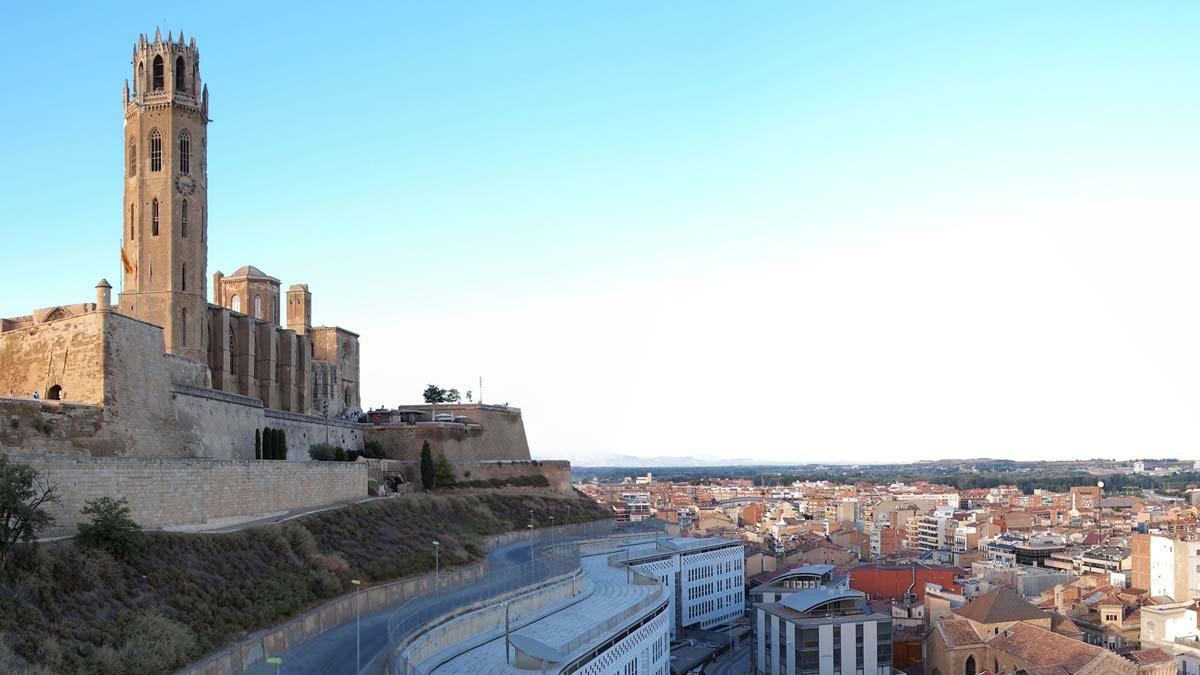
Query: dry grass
x,y
64,609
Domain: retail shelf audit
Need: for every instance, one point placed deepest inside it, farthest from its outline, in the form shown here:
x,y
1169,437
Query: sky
x,y
778,232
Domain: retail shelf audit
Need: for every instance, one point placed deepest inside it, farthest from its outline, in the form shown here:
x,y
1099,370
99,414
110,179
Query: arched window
x,y
180,75
132,157
155,150
183,326
131,231
139,84
236,305
970,667
158,74
154,217
54,393
185,152
258,307
183,219
183,277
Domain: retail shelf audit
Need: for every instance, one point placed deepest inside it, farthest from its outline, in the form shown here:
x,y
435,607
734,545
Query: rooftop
x,y
999,606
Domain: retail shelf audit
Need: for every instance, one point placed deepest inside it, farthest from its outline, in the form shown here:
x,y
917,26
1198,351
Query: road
x,y
333,652
737,662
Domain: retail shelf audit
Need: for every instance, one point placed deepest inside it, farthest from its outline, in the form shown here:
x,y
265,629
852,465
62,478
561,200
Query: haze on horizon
x,y
790,233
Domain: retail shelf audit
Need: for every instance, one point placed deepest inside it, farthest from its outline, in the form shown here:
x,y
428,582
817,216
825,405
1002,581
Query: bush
x,y
322,452
373,450
155,644
339,455
443,475
24,496
111,529
536,480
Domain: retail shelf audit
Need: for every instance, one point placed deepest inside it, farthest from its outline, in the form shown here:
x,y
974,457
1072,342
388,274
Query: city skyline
x,y
813,218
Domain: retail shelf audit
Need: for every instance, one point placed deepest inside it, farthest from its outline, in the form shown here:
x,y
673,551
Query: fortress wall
x,y
558,472
67,352
55,427
137,388
498,435
305,431
164,492
216,424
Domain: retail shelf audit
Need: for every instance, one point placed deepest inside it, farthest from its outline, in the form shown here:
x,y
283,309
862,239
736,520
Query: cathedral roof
x,y
251,272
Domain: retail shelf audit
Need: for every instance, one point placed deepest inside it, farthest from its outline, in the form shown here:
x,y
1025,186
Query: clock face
x,y
184,185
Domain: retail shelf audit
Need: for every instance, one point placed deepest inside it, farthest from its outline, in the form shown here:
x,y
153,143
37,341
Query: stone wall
x,y
305,431
67,352
163,492
56,427
557,472
498,434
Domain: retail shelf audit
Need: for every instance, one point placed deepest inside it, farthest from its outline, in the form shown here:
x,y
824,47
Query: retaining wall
x,y
164,492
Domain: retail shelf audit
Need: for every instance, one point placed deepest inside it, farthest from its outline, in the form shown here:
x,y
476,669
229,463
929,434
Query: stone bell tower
x,y
165,210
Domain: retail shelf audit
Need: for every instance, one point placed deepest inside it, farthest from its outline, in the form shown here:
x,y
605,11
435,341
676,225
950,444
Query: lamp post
x,y
551,529
531,542
357,626
437,562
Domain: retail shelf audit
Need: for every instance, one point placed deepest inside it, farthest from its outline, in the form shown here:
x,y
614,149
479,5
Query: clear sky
x,y
778,231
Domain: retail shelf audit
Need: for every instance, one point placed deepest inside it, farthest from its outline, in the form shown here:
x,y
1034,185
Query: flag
x,y
125,261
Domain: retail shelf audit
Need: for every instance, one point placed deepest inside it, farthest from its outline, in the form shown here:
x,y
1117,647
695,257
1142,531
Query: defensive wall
x,y
496,432
557,472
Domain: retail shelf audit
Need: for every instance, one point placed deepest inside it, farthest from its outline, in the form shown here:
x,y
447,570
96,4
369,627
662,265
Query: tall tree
x,y
24,495
282,444
443,474
427,468
257,444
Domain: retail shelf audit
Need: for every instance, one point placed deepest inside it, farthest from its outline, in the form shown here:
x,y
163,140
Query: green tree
x,y
323,452
452,396
443,475
257,444
111,529
268,440
24,495
427,468
435,394
282,444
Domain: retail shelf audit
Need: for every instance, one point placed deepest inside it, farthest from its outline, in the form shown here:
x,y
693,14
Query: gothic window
x,y
236,304
970,666
183,278
132,157
158,74
180,75
258,307
183,219
185,152
138,84
154,217
131,222
155,150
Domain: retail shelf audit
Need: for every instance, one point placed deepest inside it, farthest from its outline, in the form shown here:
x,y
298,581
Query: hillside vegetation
x,y
65,609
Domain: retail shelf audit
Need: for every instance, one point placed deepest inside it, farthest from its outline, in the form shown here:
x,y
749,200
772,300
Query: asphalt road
x,y
333,652
736,663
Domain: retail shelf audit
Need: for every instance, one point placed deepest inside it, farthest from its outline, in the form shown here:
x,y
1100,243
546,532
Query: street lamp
x,y
357,626
437,562
531,542
275,661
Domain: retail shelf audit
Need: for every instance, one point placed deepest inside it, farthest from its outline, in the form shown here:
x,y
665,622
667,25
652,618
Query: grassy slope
x,y
80,611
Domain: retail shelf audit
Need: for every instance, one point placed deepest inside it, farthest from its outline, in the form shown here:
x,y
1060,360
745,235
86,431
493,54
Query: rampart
x,y
170,491
495,433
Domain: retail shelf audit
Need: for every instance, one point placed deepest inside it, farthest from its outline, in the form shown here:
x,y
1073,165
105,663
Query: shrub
x,y
155,644
323,452
443,475
339,455
373,450
257,444
111,529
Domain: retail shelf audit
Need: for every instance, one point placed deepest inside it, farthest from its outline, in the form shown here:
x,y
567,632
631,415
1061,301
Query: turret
x,y
103,296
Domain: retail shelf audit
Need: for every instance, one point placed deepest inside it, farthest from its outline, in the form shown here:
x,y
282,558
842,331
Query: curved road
x,y
332,652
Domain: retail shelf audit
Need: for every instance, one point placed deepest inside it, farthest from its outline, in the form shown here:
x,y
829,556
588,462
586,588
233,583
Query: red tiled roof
x,y
1149,656
1041,648
999,606
958,632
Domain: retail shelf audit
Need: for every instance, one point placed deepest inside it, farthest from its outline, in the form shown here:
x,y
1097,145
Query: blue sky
x,y
877,229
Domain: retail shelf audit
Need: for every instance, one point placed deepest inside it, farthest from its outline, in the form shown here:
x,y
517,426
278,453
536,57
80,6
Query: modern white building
x,y
705,576
822,631
1172,628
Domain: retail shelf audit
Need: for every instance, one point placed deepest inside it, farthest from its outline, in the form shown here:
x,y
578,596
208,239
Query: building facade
x,y
822,631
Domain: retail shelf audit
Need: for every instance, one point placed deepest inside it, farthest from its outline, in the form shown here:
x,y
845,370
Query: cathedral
x,y
250,344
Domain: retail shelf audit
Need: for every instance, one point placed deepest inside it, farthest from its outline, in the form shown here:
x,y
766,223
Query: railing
x,y
555,557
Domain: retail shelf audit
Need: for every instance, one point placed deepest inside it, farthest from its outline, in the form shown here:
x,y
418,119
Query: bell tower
x,y
164,230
